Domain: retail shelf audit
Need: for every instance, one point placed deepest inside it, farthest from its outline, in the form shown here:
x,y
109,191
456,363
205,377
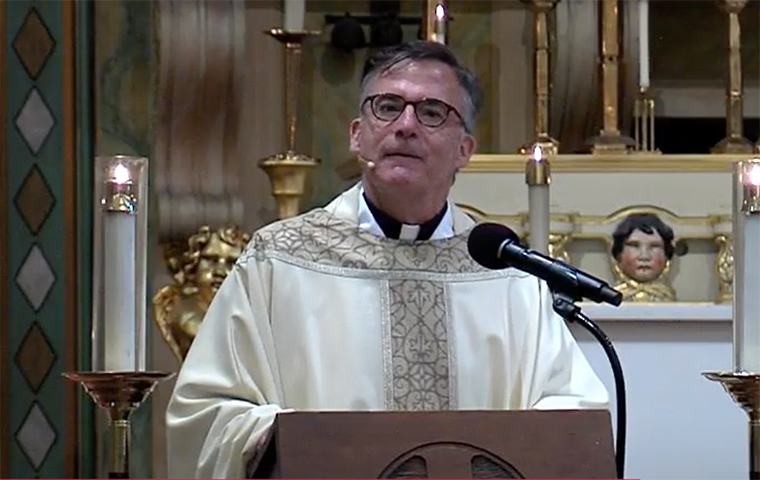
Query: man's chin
x,y
401,177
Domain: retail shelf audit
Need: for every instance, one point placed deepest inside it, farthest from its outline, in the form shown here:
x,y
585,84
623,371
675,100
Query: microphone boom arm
x,y
565,307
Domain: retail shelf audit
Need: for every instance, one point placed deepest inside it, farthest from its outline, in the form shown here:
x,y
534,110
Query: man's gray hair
x,y
383,60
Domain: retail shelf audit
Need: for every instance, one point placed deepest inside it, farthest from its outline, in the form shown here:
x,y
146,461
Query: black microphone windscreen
x,y
484,242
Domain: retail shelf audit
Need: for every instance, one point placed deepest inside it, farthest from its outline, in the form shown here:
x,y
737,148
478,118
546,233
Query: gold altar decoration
x,y
735,141
558,243
541,78
652,291
644,112
724,268
610,139
724,260
644,122
198,268
287,171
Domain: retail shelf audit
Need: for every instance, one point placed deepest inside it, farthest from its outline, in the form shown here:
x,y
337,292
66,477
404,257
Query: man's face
x,y
407,154
643,256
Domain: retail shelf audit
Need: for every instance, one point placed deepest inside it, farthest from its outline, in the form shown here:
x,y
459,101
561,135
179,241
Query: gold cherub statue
x,y
642,249
198,272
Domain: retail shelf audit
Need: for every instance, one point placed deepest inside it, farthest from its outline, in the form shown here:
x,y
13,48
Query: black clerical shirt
x,y
392,227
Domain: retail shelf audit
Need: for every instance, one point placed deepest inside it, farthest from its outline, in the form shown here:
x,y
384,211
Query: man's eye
x,y
389,107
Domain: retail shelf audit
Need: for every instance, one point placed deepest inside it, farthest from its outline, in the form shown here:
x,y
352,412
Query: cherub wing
x,y
164,302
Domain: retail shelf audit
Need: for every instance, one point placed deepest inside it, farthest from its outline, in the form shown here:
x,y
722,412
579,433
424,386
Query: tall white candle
x,y
644,43
119,274
119,237
295,12
746,237
537,177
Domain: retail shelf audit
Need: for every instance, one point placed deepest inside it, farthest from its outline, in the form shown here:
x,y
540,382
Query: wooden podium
x,y
450,444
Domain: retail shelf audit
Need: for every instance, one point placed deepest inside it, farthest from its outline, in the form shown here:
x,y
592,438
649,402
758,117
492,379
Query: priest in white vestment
x,y
373,302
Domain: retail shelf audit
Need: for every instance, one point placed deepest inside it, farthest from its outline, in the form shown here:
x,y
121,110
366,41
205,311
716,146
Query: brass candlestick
x,y
744,389
610,140
119,394
287,170
541,78
644,118
734,142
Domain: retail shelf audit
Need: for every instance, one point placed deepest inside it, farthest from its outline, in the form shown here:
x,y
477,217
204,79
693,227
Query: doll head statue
x,y
642,247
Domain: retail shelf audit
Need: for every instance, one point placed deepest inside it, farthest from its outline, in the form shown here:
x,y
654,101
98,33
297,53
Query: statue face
x,y
216,261
643,256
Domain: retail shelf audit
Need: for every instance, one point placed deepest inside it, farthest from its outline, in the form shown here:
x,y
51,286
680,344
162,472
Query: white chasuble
x,y
319,314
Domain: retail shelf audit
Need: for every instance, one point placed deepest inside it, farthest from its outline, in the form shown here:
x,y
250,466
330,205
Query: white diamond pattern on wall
x,y
34,121
36,436
35,277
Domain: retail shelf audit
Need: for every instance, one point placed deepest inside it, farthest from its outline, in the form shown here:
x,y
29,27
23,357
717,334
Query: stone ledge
x,y
659,312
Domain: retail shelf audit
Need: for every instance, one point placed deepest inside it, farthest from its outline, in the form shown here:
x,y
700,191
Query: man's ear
x,y
354,134
466,150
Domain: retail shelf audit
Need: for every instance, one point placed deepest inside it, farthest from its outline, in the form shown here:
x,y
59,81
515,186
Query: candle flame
x,y
753,175
538,154
121,174
440,13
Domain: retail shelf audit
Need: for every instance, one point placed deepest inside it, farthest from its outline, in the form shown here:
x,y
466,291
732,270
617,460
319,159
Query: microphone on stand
x,y
495,247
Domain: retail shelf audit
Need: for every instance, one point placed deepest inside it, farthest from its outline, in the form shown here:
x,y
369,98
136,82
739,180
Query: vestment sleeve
x,y
228,391
561,377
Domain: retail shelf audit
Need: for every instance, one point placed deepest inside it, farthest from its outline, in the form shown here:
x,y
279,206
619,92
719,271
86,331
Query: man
x,y
373,303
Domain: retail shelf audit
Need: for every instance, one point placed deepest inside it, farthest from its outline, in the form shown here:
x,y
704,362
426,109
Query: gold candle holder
x,y
119,394
436,21
744,390
610,140
644,122
541,78
287,171
735,141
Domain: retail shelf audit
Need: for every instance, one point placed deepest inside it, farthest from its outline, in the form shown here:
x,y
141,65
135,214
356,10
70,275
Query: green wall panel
x,y
43,424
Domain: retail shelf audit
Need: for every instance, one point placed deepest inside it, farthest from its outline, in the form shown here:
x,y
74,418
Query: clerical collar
x,y
392,228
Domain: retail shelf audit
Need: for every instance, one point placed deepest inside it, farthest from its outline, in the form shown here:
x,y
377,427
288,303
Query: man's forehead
x,y
416,79
411,65
421,71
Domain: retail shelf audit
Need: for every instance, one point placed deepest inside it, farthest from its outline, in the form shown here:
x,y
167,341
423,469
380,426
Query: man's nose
x,y
407,122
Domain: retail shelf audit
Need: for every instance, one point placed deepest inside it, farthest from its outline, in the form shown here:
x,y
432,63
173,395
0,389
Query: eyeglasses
x,y
429,112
